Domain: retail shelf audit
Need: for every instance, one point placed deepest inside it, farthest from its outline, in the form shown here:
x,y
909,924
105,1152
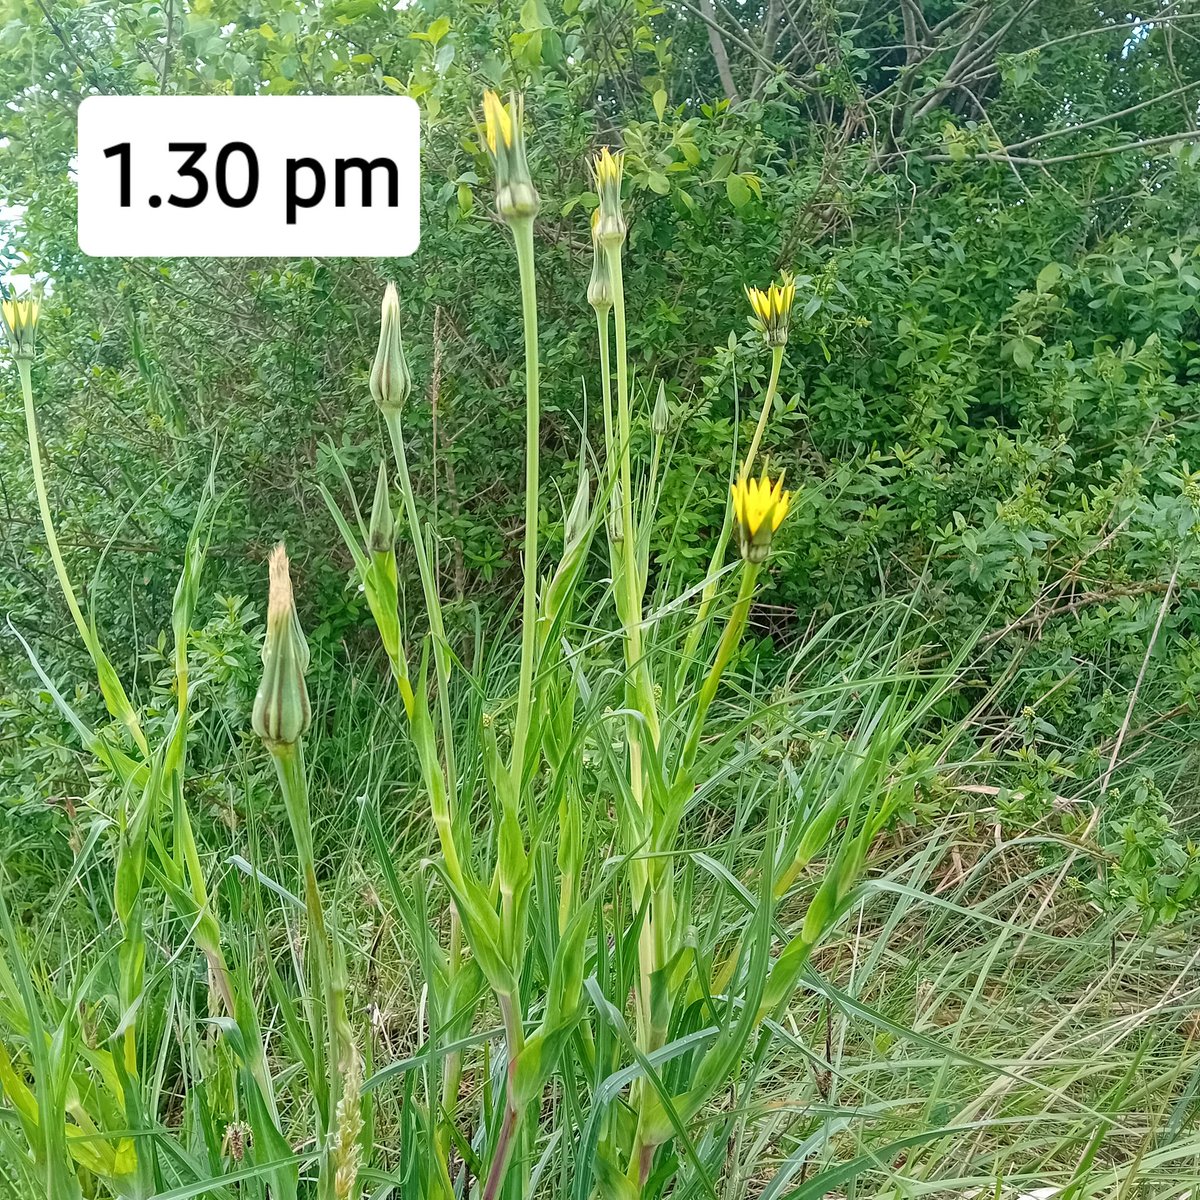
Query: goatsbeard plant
x,y
662,708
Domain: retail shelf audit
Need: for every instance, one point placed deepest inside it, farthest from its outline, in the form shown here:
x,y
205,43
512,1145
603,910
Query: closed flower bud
x,y
390,380
382,534
616,527
772,308
600,293
578,518
281,710
19,318
660,418
607,169
504,132
759,507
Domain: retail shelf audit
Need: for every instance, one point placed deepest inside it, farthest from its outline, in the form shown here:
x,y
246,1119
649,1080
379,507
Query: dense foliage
x,y
987,410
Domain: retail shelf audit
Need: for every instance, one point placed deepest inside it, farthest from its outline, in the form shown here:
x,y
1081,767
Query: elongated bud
x,y
575,531
281,710
576,525
19,319
600,293
616,527
504,132
660,418
607,170
382,534
391,382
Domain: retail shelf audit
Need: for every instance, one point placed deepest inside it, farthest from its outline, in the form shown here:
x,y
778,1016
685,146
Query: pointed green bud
x,y
281,710
576,525
660,418
599,293
19,318
616,526
382,534
390,379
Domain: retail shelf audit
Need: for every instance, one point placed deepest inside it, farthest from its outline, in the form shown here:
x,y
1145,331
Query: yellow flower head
x,y
759,507
498,125
19,318
773,307
607,170
504,133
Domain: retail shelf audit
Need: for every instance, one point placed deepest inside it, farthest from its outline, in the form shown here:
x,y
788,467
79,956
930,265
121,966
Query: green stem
x,y
602,315
114,694
765,412
709,593
39,484
293,783
730,637
433,606
523,237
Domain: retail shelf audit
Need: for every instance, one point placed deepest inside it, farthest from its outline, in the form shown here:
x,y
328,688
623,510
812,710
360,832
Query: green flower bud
x,y
599,293
282,713
382,534
660,418
390,379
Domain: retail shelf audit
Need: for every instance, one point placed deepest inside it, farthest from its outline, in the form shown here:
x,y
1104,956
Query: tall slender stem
x,y
523,236
39,485
602,315
709,592
765,412
114,694
632,575
433,606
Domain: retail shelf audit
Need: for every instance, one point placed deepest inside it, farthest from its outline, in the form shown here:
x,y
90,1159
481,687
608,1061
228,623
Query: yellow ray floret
x,y
773,306
759,507
607,168
19,319
498,126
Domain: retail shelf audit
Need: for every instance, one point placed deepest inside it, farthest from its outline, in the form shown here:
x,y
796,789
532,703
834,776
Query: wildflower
x,y
504,131
607,169
759,507
390,379
281,710
773,307
599,293
19,318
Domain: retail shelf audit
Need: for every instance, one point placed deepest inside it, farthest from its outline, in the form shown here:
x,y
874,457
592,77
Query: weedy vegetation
x,y
607,898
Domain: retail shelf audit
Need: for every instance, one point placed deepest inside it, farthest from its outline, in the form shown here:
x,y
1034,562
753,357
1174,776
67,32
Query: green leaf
x,y
737,190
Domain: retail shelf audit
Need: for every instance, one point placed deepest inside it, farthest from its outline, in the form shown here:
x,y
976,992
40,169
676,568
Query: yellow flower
x,y
19,318
607,170
773,307
759,507
498,124
504,132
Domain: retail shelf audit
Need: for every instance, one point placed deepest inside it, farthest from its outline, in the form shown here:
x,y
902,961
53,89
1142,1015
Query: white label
x,y
173,176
